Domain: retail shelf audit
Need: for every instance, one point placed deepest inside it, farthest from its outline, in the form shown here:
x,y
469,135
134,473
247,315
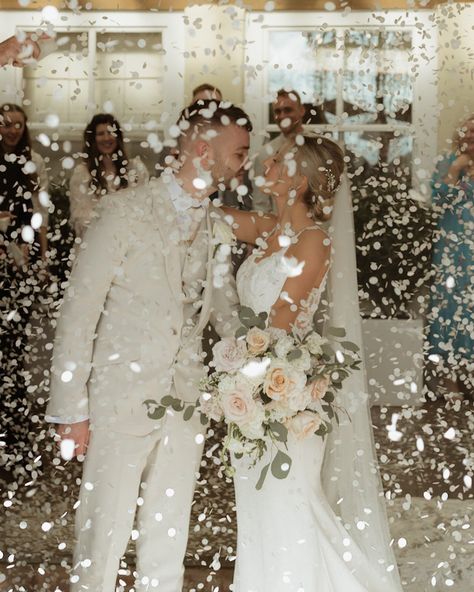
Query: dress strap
x,y
313,227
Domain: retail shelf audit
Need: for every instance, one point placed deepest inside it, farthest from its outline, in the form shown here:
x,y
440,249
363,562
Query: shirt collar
x,y
181,200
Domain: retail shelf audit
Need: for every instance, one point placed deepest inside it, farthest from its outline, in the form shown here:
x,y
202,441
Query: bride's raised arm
x,y
248,226
312,255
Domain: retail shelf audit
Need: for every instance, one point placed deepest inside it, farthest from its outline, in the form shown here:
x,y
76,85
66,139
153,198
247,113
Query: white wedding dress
x,y
289,538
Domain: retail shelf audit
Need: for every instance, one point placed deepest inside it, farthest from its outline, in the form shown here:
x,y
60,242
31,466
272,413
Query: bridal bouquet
x,y
267,383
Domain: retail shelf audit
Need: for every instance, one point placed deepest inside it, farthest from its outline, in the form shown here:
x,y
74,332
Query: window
x,y
112,64
368,81
360,79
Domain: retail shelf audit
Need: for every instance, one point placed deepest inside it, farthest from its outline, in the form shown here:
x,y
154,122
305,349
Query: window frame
x,y
424,107
169,25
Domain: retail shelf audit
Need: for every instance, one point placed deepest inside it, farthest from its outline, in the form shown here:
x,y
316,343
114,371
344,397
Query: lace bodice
x,y
260,283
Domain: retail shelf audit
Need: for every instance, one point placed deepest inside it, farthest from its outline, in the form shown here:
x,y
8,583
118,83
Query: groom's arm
x,y
97,260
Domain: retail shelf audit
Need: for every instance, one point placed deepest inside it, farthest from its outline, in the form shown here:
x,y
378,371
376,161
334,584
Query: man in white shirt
x,y
288,112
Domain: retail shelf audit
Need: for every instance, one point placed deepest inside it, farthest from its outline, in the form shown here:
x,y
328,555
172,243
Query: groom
x,y
130,328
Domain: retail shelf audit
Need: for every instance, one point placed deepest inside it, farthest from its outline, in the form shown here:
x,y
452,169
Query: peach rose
x,y
281,380
258,341
304,424
319,387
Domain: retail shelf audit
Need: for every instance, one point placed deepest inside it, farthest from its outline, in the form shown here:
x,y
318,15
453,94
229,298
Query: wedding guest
x,y
13,50
288,113
105,168
25,49
206,92
23,224
451,325
22,178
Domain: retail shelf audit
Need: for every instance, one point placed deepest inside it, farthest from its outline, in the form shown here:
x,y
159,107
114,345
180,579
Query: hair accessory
x,y
331,180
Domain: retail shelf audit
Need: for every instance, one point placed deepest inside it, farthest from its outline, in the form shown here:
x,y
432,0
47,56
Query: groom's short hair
x,y
203,115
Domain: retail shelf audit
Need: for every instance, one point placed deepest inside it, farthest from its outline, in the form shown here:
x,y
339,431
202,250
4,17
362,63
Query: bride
x,y
323,528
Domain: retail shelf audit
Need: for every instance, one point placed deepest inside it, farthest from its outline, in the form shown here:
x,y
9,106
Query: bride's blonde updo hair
x,y
321,161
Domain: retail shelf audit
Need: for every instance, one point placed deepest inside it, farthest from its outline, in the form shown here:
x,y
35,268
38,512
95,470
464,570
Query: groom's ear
x,y
202,148
204,153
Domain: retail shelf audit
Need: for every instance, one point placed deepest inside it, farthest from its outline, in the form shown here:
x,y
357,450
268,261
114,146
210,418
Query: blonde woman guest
x,y
105,169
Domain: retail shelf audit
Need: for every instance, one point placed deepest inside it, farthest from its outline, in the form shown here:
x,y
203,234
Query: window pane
x,y
378,83
308,63
58,84
129,75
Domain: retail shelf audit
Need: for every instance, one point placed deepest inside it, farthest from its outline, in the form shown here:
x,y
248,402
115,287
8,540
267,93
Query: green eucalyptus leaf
x,y
150,402
337,331
157,413
177,405
353,347
241,332
188,413
328,397
261,479
321,431
281,458
167,401
294,354
279,431
327,350
204,419
247,317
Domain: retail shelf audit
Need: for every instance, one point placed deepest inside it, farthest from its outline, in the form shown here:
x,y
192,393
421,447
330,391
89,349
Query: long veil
x,y
350,475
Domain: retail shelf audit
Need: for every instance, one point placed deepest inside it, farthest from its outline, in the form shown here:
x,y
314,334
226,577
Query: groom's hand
x,y
78,432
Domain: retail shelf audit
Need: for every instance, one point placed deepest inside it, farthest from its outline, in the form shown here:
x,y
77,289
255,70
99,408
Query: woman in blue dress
x,y
451,322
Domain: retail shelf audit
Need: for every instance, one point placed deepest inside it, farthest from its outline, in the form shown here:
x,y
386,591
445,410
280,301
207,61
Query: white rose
x,y
238,406
229,354
210,406
253,427
284,345
226,384
276,334
299,399
314,342
223,233
258,341
304,424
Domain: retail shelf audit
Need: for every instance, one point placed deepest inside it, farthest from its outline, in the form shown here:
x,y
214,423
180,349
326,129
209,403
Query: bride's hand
x,y
249,226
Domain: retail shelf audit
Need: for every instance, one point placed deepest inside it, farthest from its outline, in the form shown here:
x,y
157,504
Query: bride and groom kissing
x,y
145,283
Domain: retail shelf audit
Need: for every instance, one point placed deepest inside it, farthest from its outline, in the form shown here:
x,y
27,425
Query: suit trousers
x,y
152,476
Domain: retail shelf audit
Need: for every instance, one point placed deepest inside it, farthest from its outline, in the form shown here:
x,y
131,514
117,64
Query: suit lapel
x,y
164,220
207,296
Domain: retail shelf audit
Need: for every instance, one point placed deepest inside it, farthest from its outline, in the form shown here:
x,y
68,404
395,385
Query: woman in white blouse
x,y
105,169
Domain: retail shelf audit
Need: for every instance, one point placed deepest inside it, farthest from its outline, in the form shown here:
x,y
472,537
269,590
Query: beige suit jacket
x,y
119,337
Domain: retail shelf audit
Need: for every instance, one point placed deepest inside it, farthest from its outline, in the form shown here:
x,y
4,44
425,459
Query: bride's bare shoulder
x,y
311,245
